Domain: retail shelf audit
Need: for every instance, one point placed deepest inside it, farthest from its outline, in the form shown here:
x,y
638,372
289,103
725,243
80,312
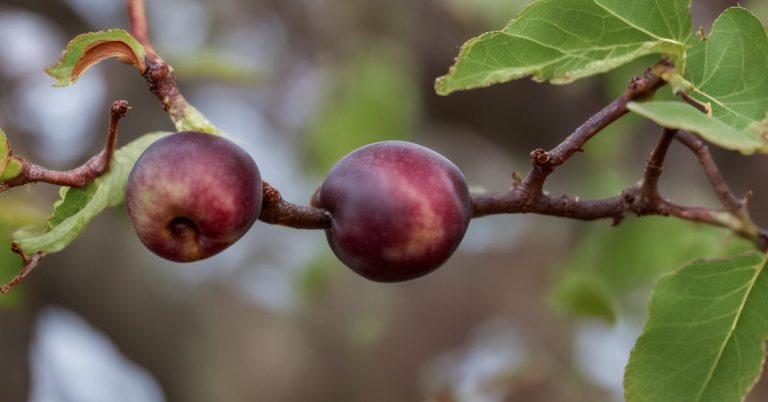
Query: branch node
x,y
516,179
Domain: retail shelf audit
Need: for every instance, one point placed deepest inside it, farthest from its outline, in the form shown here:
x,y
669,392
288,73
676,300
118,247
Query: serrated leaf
x,y
78,206
705,337
91,48
682,116
561,41
728,72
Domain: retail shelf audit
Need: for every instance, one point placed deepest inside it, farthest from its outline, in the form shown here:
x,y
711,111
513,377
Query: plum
x,y
191,195
399,210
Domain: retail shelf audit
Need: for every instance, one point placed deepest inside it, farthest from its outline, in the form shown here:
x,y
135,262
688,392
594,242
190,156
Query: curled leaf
x,y
88,49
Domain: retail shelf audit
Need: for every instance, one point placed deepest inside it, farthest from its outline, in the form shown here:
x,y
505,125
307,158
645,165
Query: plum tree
x,y
394,211
399,210
191,195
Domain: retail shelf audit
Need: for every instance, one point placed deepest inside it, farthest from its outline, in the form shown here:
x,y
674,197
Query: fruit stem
x,y
275,210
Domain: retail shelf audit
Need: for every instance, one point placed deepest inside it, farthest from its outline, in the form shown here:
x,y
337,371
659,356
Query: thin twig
x,y
703,107
28,264
724,193
159,75
641,199
138,21
82,175
654,165
545,162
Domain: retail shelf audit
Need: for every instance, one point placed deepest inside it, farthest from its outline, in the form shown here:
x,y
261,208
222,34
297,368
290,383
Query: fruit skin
x,y
191,195
399,210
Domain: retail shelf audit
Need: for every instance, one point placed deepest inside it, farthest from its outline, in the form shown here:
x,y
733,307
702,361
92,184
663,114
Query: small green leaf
x,y
194,120
561,41
685,117
12,169
727,72
5,151
78,206
705,337
91,48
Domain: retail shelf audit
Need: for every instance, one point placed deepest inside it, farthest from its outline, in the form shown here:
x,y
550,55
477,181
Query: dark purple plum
x,y
191,195
399,210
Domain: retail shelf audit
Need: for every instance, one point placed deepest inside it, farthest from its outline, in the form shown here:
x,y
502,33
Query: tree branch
x,y
28,264
138,21
653,168
724,193
641,199
159,75
702,107
545,162
80,176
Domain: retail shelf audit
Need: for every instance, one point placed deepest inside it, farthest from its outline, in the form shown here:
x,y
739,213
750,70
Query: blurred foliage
x,y
313,279
608,264
759,7
216,65
491,13
373,97
611,263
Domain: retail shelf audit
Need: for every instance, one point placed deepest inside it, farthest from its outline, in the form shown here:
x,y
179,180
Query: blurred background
x,y
529,309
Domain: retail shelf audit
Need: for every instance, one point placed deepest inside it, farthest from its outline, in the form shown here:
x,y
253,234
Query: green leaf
x,y
78,206
682,116
194,120
705,337
563,40
12,168
727,72
91,48
5,151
